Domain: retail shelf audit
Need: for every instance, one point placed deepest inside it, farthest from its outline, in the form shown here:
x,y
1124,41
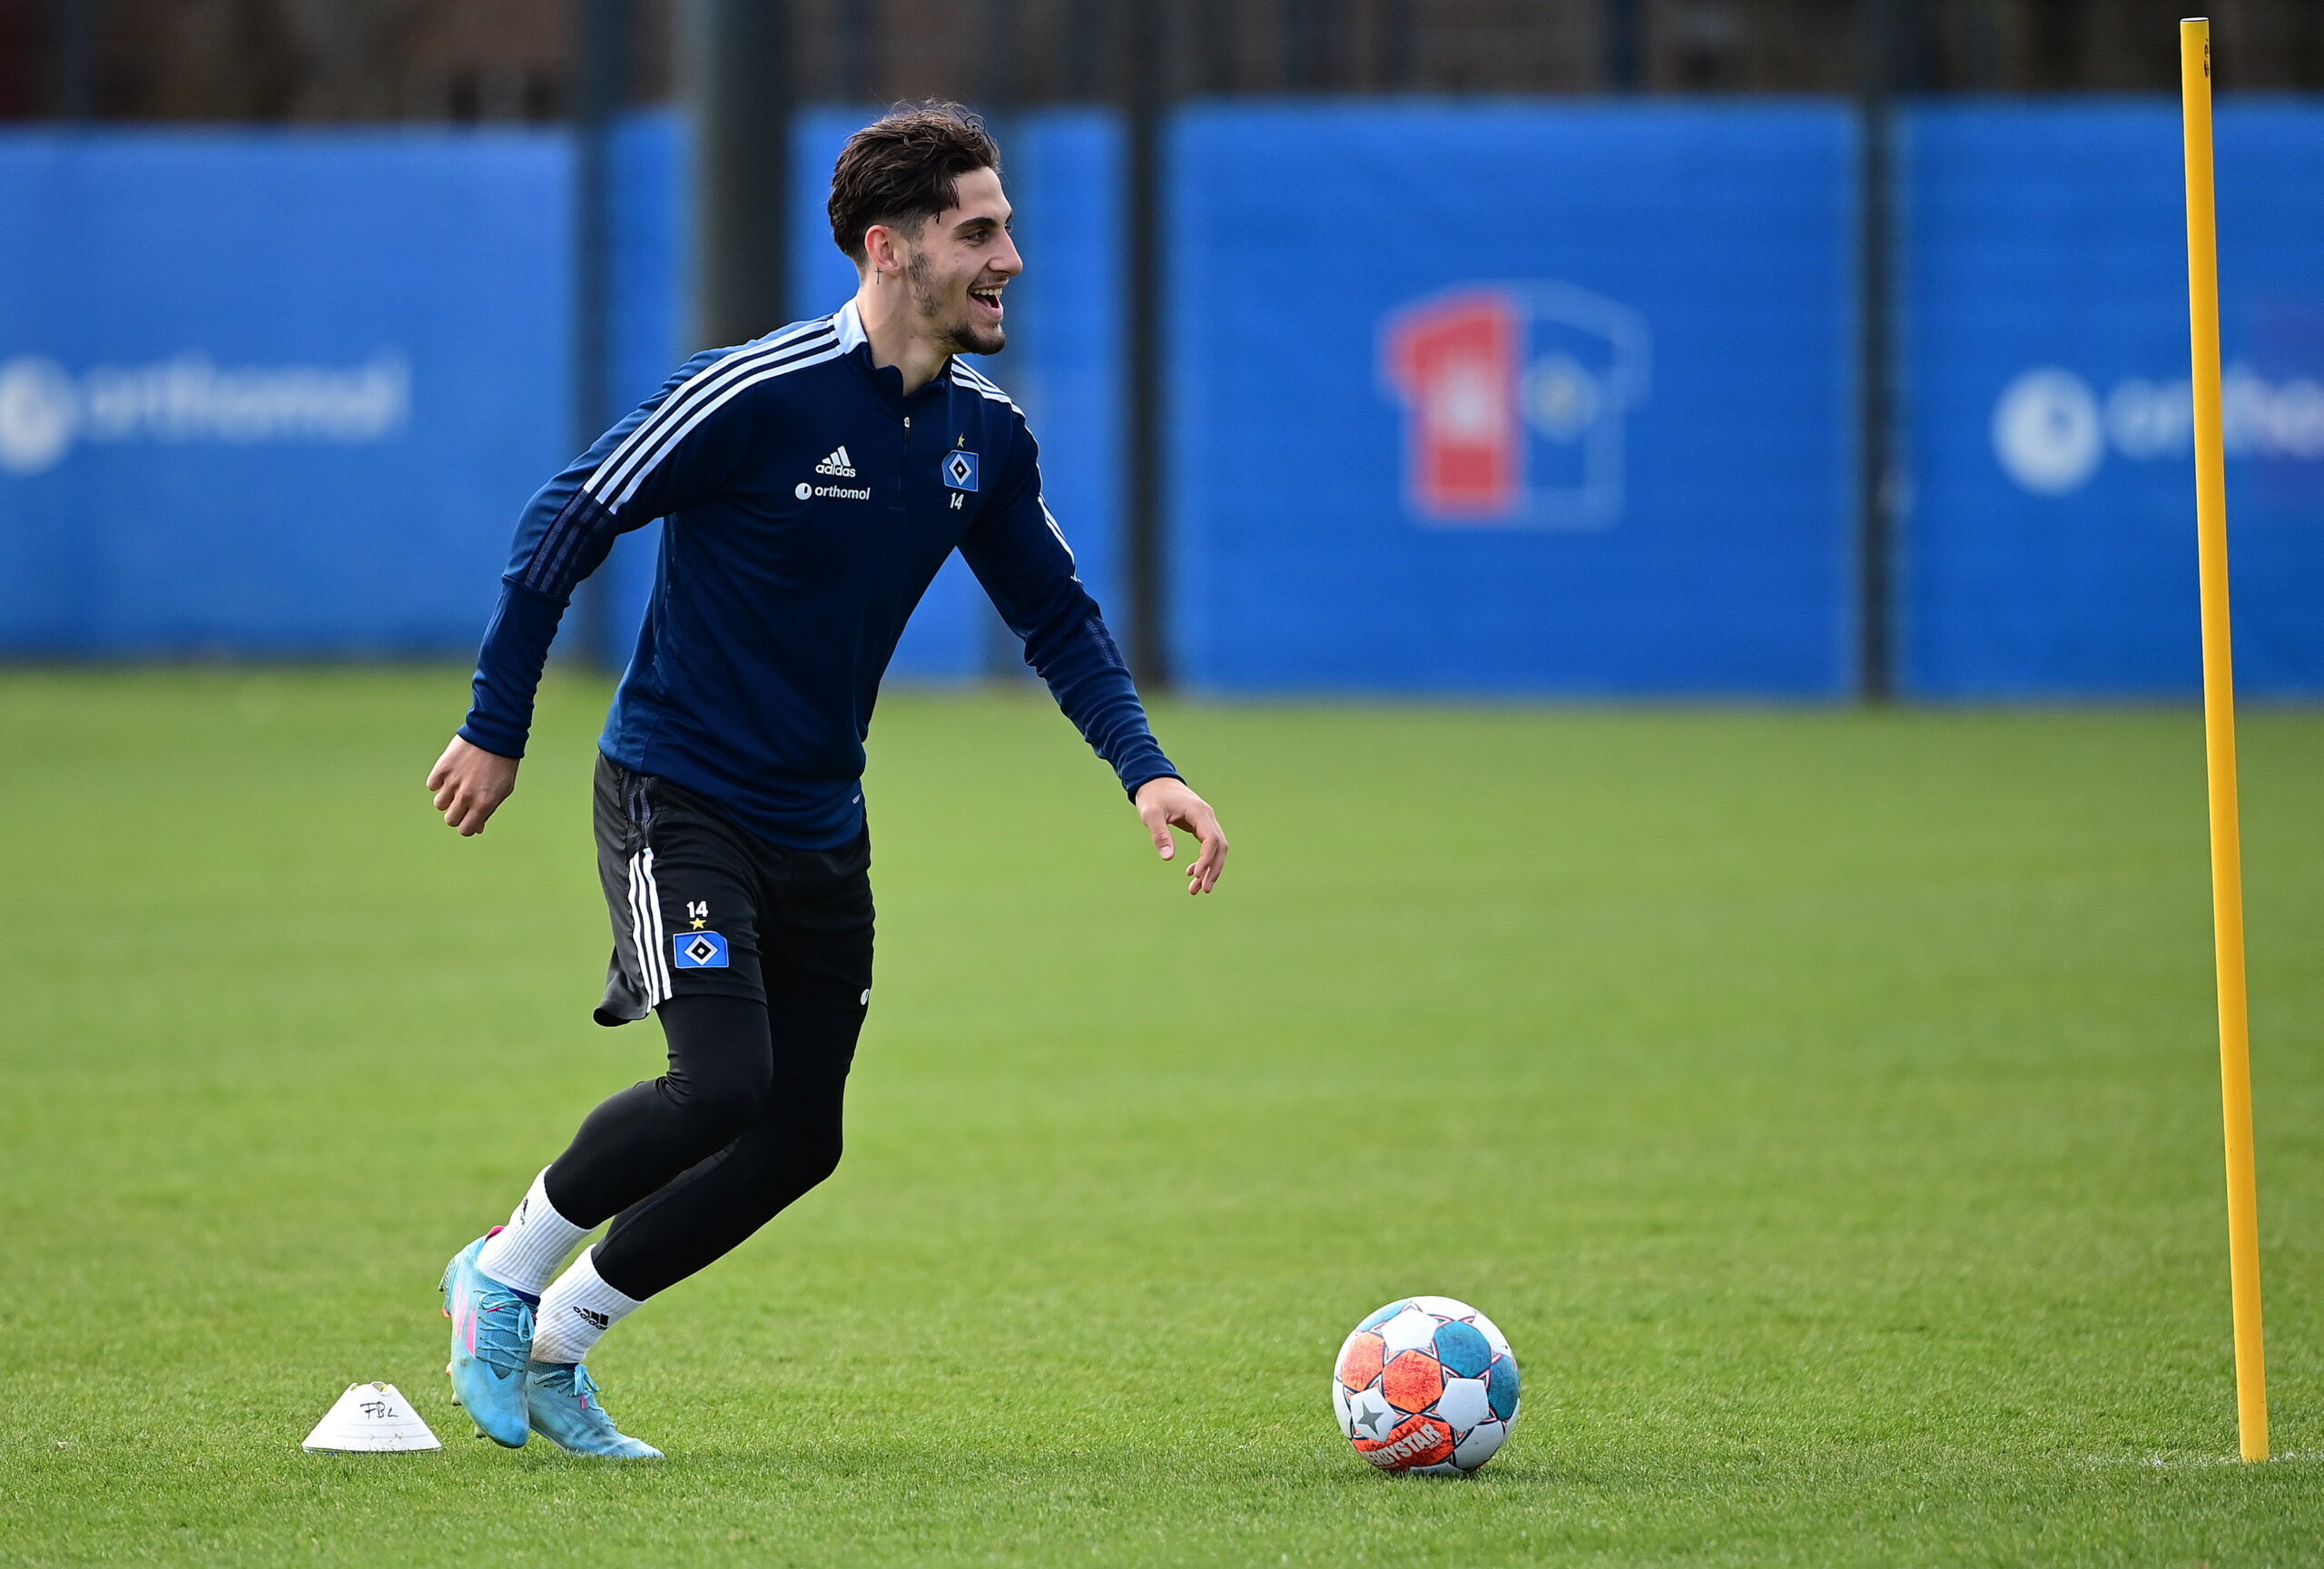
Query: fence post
x,y
1145,38
600,48
738,69
852,42
1625,29
74,23
1875,361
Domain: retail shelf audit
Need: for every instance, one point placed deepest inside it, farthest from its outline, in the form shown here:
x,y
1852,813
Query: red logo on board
x,y
1514,396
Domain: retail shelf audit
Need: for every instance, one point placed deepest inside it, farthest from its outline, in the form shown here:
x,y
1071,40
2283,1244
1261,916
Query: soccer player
x,y
812,482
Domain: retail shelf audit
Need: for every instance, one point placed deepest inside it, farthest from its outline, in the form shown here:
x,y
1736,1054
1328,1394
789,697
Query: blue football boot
x,y
492,1339
564,1410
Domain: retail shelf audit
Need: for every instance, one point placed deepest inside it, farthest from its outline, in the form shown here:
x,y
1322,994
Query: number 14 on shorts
x,y
698,949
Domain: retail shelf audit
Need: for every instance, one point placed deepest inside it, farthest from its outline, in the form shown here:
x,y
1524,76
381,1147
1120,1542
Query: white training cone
x,y
367,1418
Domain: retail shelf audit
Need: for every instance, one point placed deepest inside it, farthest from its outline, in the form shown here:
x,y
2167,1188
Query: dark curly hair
x,y
904,168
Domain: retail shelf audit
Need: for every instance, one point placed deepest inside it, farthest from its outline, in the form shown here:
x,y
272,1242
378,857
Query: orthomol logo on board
x,y
2053,429
1514,399
46,410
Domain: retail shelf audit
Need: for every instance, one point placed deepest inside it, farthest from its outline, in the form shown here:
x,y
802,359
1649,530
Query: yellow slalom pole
x,y
2218,741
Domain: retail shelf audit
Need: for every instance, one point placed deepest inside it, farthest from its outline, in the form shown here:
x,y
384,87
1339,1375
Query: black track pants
x,y
757,958
692,1162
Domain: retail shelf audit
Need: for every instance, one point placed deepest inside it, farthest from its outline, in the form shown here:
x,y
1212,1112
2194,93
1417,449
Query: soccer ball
x,y
1427,1385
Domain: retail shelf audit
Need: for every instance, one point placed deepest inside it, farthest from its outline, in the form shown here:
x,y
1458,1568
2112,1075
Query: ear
x,y
883,251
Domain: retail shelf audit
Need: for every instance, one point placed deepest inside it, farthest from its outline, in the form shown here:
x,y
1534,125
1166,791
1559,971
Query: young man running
x,y
813,482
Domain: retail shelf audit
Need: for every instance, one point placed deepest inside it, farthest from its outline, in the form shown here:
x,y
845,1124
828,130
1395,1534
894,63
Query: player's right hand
x,y
469,784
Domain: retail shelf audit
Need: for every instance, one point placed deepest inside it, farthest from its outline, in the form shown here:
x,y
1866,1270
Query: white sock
x,y
576,1312
523,1254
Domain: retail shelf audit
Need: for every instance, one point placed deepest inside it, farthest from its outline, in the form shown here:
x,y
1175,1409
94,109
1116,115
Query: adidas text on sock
x,y
576,1312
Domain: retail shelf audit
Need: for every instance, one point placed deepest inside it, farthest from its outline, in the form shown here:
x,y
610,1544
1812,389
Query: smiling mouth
x,y
990,298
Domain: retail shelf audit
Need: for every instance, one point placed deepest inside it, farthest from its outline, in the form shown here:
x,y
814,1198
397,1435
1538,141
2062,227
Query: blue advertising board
x,y
1062,365
2049,549
1494,398
273,393
1513,397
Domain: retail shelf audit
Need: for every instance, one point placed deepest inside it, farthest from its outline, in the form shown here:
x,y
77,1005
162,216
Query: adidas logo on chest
x,y
838,465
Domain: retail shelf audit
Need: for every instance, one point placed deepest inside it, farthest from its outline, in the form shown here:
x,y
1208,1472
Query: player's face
x,y
963,261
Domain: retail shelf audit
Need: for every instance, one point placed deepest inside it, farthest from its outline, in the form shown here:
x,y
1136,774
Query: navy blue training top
x,y
810,503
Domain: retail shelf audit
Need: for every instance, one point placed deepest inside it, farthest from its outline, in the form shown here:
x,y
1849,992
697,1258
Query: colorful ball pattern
x,y
1427,1385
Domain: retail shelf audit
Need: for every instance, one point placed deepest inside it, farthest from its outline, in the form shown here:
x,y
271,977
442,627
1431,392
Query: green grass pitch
x,y
1825,1103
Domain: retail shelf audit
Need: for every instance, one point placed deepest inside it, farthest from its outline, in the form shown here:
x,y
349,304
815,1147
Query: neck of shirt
x,y
866,309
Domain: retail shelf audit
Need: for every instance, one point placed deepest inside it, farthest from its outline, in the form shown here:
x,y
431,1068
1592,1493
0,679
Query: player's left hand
x,y
1166,804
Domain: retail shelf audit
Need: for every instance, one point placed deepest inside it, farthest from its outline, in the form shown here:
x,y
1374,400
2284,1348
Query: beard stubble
x,y
959,335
